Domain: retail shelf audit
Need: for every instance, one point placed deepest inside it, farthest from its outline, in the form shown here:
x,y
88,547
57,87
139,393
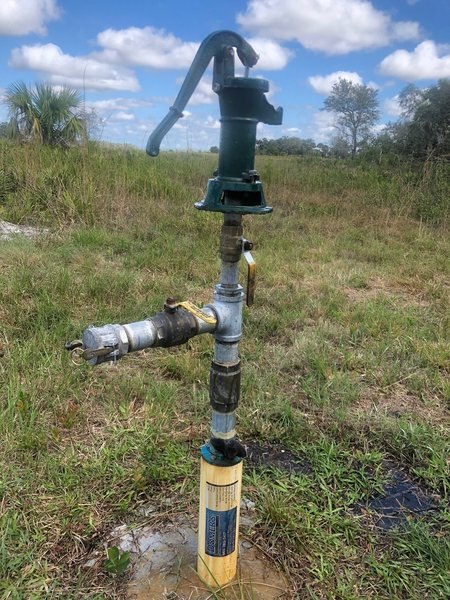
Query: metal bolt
x,y
170,304
250,176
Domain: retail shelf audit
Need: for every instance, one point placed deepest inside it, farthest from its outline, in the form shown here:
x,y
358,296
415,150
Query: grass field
x,y
346,363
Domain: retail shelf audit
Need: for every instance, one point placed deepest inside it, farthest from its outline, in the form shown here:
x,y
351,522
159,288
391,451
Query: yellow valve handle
x,y
251,278
197,312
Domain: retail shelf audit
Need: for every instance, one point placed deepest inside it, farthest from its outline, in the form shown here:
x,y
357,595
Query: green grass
x,y
345,362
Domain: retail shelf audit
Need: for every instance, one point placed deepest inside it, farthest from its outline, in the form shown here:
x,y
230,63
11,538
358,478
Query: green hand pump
x,y
234,190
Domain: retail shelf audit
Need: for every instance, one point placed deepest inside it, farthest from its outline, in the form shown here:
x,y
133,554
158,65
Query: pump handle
x,y
212,47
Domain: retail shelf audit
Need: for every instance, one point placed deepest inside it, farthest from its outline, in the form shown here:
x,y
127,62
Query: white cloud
x,y
146,47
378,128
123,116
77,71
20,17
332,26
212,123
323,128
272,56
392,106
427,61
322,84
320,127
203,93
158,49
117,104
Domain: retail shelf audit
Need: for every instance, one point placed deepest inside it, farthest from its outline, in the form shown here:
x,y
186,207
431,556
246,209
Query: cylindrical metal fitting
x,y
231,243
227,307
226,352
223,425
174,328
229,275
111,336
141,334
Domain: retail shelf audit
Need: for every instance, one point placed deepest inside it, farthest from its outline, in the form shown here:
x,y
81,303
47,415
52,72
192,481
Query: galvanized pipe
x,y
227,305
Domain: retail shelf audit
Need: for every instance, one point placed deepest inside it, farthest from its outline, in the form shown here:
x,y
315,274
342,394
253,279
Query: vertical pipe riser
x,y
221,462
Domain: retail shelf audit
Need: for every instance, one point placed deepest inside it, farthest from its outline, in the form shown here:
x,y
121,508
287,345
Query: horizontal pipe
x,y
164,329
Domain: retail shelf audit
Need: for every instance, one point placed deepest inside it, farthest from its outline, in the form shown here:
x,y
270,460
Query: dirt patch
x,y
276,457
163,560
396,402
166,569
379,288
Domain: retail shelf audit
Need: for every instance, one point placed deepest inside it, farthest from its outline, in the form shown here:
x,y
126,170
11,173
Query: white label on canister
x,y
221,497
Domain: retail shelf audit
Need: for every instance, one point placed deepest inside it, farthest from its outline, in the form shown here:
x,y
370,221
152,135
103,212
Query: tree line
x,y
56,116
422,132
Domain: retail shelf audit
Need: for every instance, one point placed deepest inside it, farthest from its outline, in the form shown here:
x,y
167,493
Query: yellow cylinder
x,y
220,498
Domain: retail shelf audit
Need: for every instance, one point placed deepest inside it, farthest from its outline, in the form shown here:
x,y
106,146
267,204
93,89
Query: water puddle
x,y
163,558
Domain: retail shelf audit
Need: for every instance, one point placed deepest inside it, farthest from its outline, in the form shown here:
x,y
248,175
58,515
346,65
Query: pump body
x,y
234,190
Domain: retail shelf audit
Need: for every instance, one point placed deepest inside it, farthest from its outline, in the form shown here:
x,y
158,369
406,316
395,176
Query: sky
x,y
129,58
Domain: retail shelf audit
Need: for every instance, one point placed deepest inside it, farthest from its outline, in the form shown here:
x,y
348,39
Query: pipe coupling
x,y
228,311
224,386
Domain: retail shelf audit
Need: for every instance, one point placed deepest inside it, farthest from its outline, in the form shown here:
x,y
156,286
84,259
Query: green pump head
x,y
236,186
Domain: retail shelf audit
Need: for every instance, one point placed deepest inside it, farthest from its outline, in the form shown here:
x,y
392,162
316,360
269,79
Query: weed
x,y
116,562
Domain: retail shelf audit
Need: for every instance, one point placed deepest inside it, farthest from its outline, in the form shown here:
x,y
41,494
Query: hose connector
x,y
175,325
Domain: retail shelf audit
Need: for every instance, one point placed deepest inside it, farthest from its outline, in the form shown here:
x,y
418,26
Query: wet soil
x,y
277,457
163,566
400,501
167,570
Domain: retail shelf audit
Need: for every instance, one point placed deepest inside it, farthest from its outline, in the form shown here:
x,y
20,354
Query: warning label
x,y
221,497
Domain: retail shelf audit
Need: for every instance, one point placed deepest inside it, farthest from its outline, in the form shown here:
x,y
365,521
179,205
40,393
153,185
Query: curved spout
x,y
211,47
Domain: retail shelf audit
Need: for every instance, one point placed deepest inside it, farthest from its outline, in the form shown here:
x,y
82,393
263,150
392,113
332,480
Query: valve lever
x,y
251,273
197,312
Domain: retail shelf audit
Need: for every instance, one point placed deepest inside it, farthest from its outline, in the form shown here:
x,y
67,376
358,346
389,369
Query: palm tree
x,y
45,114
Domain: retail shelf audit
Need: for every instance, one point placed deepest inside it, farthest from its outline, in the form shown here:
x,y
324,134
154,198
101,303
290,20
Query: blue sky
x,y
129,58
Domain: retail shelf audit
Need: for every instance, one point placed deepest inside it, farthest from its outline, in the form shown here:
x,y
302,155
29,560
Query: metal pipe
x,y
221,460
228,304
164,329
